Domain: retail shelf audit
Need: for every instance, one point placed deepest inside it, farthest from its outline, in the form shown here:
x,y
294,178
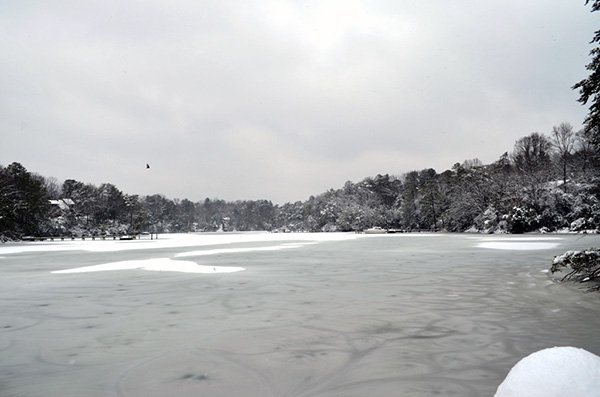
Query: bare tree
x,y
471,163
563,140
532,153
585,153
531,157
53,187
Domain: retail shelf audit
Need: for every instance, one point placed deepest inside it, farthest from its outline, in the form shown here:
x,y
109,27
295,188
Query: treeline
x,y
547,182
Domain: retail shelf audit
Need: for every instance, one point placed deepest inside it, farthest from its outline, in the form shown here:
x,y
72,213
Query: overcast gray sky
x,y
280,99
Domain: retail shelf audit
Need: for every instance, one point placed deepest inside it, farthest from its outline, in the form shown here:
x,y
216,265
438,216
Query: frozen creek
x,y
258,314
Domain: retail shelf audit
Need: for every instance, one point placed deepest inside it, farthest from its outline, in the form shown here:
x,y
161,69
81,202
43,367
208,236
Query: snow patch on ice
x,y
238,250
155,264
530,238
177,240
554,372
517,245
287,241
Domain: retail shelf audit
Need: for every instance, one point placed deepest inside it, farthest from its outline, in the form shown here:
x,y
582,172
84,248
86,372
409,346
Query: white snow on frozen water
x,y
287,241
517,245
554,372
155,264
238,250
175,240
510,238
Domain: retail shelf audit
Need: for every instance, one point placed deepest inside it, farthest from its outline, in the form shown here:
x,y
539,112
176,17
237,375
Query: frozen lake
x,y
262,314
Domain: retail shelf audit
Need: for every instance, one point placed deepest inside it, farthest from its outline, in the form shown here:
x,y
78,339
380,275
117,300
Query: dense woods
x,y
547,182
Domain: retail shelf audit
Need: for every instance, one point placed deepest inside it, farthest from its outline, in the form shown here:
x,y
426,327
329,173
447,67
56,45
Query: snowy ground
x,y
260,314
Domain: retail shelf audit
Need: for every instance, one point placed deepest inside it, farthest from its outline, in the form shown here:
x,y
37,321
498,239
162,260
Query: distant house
x,y
63,204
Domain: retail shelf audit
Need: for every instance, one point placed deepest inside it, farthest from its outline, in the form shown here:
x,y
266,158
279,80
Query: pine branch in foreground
x,y
581,267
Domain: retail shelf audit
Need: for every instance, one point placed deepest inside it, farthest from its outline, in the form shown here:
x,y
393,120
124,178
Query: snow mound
x,y
554,372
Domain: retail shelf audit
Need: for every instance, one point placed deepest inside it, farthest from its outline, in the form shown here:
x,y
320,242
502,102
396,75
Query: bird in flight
x,y
147,166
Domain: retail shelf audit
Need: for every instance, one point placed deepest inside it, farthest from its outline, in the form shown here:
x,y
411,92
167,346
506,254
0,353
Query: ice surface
x,y
312,315
554,372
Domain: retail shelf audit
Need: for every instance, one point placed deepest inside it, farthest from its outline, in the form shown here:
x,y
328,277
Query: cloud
x,y
280,99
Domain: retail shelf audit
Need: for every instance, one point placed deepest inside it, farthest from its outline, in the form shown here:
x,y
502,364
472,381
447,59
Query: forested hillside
x,y
547,182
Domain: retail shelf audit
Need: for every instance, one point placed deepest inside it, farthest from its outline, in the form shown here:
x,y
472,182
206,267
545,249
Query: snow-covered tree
x,y
589,88
24,205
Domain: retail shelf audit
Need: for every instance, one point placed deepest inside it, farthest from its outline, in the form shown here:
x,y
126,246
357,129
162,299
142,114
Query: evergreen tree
x,y
589,88
24,202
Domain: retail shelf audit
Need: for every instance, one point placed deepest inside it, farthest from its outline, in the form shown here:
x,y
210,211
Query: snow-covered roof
x,y
63,204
